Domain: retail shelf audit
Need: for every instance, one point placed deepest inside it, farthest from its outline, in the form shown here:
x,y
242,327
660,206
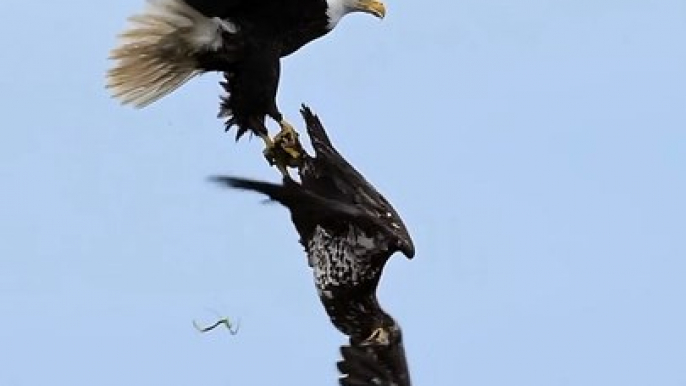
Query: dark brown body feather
x,y
250,59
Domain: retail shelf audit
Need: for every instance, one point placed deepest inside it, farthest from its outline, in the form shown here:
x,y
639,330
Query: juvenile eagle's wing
x,y
302,202
379,365
331,175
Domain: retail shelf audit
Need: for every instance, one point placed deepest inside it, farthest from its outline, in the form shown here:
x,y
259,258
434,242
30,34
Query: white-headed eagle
x,y
349,231
175,40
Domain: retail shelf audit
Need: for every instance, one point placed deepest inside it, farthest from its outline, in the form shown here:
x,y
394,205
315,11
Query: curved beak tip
x,y
380,11
407,249
374,7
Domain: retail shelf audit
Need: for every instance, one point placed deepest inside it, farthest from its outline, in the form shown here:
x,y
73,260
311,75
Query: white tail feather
x,y
156,55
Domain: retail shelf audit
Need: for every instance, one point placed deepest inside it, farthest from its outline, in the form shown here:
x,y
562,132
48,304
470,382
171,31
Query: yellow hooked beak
x,y
375,7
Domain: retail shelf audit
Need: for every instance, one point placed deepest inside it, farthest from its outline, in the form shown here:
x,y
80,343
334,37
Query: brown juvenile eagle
x,y
349,231
175,40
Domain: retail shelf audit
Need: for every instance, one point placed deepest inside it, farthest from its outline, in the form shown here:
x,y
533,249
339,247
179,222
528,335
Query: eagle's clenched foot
x,y
288,140
274,155
284,150
380,336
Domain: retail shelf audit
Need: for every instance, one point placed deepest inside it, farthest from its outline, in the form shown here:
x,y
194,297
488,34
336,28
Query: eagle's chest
x,y
342,261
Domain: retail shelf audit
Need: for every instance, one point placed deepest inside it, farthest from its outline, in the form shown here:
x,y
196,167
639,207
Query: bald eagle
x,y
175,40
349,231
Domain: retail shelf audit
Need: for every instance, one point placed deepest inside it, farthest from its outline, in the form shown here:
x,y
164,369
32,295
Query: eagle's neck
x,y
335,10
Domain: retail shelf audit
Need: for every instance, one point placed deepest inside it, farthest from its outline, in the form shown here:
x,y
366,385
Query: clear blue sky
x,y
536,149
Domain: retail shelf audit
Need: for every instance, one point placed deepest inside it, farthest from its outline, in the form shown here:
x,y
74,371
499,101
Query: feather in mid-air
x,y
349,231
175,40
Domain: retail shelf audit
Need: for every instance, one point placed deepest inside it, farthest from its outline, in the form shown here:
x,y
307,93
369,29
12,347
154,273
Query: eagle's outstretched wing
x,y
330,189
331,175
300,200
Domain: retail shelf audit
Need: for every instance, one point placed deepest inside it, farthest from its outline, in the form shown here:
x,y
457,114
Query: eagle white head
x,y
336,9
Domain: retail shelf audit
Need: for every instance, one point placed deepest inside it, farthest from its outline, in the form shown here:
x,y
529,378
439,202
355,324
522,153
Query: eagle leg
x,y
380,336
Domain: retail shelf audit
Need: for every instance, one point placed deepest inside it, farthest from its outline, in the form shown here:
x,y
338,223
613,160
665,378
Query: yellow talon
x,y
284,150
286,130
288,141
378,337
287,136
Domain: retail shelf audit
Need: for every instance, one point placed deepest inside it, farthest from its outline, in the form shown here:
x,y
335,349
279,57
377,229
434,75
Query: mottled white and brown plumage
x,y
349,231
